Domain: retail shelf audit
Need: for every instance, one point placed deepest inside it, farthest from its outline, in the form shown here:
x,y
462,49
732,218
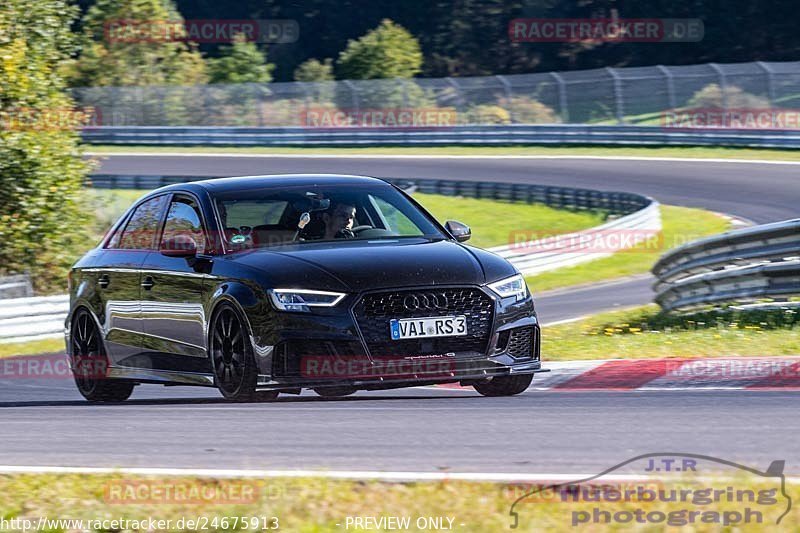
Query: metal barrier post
x,y
723,83
620,112
770,81
670,85
562,96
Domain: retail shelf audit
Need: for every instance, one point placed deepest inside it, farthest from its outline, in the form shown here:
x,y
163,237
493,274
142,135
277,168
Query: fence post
x,y
723,83
670,85
460,102
507,89
260,104
563,105
770,81
620,112
353,94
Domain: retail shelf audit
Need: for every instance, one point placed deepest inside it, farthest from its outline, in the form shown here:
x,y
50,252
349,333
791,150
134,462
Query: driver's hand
x,y
345,233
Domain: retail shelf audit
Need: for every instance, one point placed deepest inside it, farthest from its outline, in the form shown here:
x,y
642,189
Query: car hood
x,y
365,265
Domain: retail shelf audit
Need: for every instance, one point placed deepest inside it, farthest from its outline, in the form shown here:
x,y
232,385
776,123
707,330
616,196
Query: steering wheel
x,y
361,228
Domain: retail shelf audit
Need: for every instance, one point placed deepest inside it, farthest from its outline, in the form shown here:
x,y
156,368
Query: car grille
x,y
521,342
374,311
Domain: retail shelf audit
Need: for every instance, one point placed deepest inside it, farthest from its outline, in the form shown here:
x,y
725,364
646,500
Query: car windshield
x,y
294,215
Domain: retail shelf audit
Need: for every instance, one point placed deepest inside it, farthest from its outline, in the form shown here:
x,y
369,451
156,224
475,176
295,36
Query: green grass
x,y
32,347
312,505
679,225
494,223
643,333
632,151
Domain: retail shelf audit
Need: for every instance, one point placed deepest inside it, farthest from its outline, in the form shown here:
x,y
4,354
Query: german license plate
x,y
436,326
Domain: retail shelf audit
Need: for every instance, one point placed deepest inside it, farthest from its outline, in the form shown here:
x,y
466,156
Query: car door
x,y
173,314
118,278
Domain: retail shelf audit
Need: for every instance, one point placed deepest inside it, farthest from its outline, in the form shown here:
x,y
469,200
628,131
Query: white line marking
x,y
333,474
328,474
443,156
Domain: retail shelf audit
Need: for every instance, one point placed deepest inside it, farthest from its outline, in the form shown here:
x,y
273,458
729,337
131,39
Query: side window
x,y
184,218
142,226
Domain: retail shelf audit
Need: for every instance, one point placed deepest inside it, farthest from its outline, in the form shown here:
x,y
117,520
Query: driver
x,y
339,220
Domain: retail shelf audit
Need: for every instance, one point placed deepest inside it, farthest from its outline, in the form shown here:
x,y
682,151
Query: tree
x,y
41,169
242,62
388,51
113,54
314,70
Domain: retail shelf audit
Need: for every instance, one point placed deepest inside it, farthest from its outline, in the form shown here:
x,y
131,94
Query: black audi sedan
x,y
268,284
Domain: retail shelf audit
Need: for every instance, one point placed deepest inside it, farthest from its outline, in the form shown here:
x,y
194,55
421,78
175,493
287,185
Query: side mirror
x,y
179,246
460,231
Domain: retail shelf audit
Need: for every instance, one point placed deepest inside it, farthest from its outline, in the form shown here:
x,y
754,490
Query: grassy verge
x,y
490,229
317,505
643,332
32,347
673,151
679,225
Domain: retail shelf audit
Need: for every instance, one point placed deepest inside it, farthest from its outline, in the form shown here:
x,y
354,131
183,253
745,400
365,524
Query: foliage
x,y
41,169
107,59
314,70
320,74
712,96
488,114
242,62
388,51
526,110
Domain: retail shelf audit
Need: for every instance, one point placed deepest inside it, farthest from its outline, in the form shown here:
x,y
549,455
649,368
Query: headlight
x,y
303,300
513,286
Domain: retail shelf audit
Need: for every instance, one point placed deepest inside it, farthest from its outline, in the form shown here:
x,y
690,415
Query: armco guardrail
x,y
617,203
579,134
33,318
756,262
15,286
27,319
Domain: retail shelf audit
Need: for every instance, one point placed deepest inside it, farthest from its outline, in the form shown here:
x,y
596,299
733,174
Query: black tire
x,y
89,363
335,392
232,361
504,385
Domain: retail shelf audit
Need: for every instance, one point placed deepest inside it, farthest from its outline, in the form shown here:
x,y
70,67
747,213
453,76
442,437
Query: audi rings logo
x,y
430,301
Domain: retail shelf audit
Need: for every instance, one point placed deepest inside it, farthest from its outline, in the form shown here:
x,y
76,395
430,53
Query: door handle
x,y
148,283
103,281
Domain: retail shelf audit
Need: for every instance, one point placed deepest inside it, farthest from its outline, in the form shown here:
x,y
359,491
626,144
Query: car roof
x,y
240,183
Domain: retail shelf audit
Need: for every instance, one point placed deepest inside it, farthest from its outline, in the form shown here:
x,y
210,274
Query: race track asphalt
x,y
761,192
421,429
